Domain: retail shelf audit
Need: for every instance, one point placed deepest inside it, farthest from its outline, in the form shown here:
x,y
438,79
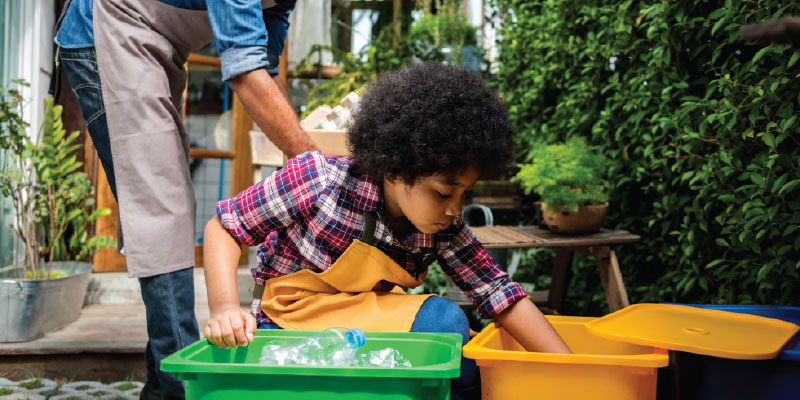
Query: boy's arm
x,y
229,326
527,325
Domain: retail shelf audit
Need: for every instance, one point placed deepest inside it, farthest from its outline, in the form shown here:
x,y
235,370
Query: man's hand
x,y
230,327
268,107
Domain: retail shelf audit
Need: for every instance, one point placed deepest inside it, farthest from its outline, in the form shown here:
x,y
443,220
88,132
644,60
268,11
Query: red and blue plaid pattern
x,y
307,214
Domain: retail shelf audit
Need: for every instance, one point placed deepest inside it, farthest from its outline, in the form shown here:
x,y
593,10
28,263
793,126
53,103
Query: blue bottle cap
x,y
356,338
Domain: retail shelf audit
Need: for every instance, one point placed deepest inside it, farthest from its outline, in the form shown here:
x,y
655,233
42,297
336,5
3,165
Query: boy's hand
x,y
230,327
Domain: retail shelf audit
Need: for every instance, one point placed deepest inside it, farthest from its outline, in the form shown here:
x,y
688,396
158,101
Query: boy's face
x,y
432,201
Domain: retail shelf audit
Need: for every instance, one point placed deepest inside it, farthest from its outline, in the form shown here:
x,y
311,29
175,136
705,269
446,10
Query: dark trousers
x,y
168,298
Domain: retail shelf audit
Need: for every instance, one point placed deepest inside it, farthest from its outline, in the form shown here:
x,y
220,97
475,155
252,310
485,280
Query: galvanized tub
x,y
29,308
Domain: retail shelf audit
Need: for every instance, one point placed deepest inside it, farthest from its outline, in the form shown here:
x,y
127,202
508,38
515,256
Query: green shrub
x,y
391,49
702,129
565,175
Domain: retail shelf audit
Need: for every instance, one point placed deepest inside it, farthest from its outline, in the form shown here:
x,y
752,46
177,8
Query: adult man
x,y
124,60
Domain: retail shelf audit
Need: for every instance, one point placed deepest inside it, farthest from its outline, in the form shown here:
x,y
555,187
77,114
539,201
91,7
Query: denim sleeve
x,y
247,36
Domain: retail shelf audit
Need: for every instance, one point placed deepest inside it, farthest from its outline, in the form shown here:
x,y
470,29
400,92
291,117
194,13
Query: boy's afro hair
x,y
430,118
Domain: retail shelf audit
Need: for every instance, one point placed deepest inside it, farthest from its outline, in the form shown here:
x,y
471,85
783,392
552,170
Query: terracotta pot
x,y
586,219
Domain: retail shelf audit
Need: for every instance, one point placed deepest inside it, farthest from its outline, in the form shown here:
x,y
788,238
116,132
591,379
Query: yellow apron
x,y
358,290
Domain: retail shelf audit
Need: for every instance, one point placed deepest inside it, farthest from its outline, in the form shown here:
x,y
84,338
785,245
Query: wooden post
x,y
283,65
109,259
241,168
560,274
611,277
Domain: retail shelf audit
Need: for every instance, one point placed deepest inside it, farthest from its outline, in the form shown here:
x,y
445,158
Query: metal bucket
x,y
29,308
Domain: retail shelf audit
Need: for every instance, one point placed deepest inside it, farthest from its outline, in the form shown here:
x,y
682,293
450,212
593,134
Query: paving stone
x,y
90,390
82,386
43,383
131,391
7,390
23,396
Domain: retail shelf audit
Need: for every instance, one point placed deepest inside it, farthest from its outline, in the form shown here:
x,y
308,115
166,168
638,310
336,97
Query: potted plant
x,y
570,180
52,200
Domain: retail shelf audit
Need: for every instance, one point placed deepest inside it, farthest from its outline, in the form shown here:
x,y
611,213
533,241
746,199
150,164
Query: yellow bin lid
x,y
696,330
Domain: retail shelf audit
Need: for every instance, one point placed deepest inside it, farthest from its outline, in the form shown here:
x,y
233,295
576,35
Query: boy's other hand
x,y
230,327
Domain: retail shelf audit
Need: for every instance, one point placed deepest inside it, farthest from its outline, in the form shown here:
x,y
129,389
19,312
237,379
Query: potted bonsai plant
x,y
52,198
570,180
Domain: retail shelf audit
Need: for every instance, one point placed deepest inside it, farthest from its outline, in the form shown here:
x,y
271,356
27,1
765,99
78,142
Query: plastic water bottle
x,y
331,347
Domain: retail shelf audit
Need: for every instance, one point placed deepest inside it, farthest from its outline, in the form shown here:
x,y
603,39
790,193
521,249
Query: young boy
x,y
338,235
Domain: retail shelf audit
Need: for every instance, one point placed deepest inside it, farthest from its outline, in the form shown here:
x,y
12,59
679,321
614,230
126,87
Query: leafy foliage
x,y
72,196
702,128
52,197
435,37
565,175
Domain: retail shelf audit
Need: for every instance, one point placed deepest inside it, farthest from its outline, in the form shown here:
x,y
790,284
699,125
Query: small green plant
x,y
565,175
52,198
5,391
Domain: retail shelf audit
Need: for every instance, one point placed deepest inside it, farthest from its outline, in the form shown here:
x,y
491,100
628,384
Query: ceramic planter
x,y
29,308
586,219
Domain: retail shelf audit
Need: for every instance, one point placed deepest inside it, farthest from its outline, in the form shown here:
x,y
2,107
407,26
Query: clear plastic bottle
x,y
331,347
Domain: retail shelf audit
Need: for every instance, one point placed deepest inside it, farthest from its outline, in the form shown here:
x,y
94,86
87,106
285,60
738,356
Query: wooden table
x,y
597,245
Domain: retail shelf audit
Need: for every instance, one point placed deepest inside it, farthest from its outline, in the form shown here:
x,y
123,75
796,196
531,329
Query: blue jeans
x,y
441,315
80,68
168,298
171,325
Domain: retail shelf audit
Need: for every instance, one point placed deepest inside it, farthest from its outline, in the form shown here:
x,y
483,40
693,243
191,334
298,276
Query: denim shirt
x,y
238,25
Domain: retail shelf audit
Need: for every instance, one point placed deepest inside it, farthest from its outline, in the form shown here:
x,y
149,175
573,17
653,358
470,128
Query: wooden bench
x,y
597,245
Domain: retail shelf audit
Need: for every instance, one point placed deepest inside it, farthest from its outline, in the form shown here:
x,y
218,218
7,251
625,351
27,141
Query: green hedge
x,y
703,129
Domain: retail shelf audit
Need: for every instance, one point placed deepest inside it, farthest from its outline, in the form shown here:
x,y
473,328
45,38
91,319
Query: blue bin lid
x,y
784,313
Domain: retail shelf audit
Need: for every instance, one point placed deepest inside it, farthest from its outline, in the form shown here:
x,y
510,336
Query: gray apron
x,y
142,46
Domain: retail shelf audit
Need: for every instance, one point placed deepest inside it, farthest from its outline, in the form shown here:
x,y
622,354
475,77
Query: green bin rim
x,y
181,361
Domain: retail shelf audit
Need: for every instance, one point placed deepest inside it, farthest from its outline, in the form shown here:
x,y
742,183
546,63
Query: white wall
x,y
26,45
28,51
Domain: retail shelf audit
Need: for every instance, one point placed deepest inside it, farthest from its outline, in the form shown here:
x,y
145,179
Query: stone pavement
x,y
46,389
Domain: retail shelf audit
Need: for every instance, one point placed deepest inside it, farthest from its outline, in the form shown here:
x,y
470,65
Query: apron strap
x,y
55,78
370,221
368,236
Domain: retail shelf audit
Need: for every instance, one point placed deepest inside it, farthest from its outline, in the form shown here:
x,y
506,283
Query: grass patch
x,y
84,387
50,393
98,393
30,385
125,386
5,391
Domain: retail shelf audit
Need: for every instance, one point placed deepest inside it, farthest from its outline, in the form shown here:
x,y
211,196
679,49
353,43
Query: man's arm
x,y
269,109
785,30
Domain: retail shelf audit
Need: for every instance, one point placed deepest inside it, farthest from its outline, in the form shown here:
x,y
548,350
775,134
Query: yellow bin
x,y
598,369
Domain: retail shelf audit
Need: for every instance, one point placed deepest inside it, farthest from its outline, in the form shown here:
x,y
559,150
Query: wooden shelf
x,y
200,59
208,153
205,108
326,72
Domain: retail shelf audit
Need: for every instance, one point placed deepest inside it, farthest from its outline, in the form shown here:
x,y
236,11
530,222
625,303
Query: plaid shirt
x,y
305,216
